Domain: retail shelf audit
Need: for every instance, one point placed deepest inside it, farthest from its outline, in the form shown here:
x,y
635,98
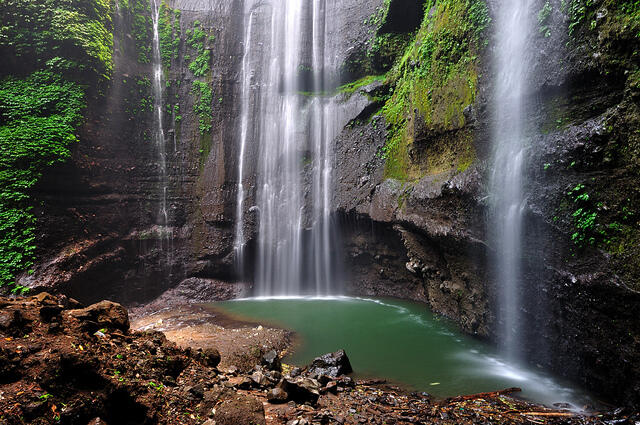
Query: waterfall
x,y
294,126
512,62
239,239
158,127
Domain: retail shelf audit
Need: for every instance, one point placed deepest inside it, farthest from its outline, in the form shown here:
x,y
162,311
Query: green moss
x,y
621,16
355,86
203,105
433,83
169,33
196,39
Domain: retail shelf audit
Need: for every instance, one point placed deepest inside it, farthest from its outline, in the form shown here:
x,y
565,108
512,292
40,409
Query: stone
x,y
301,389
105,314
296,371
239,410
332,386
331,364
271,361
46,298
277,395
259,379
9,319
210,357
241,382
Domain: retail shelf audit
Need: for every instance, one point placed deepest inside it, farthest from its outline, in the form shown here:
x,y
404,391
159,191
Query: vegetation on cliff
x,y
433,82
53,51
169,32
603,212
433,78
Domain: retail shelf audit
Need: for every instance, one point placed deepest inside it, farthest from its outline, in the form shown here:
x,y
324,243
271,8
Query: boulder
x,y
105,314
210,357
301,389
330,364
259,379
271,361
277,395
241,382
240,409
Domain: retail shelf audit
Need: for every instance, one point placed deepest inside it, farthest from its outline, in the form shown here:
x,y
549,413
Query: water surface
x,y
402,342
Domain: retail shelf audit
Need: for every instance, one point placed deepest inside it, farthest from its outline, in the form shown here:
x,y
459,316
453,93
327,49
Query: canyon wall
x,y
411,171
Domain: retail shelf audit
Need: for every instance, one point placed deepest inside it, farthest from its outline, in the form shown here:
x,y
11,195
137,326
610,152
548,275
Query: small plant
x,y
45,397
155,386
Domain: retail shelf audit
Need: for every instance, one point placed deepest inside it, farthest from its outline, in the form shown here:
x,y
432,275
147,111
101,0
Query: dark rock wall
x,y
100,233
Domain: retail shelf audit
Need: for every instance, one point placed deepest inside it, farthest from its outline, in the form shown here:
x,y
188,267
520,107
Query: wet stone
x,y
271,361
331,364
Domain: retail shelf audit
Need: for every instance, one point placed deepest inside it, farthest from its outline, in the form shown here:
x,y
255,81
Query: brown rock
x,y
241,382
277,395
210,357
105,314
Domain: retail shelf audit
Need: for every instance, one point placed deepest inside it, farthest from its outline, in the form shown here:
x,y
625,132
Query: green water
x,y
401,342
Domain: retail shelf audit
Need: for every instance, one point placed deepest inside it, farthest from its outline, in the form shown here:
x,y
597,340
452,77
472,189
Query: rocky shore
x,y
61,363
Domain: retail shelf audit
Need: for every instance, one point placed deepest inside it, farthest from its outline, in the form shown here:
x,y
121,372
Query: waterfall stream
x,y
512,62
166,234
285,76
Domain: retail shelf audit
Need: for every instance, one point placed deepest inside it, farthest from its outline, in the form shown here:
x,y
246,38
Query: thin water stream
x,y
402,342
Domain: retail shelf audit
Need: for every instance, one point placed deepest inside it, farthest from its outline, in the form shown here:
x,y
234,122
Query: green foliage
x,y
169,33
436,78
203,106
543,19
139,12
196,38
142,93
41,41
38,117
625,12
586,229
70,36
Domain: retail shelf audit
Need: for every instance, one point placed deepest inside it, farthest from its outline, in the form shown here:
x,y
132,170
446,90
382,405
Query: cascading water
x,y
158,127
514,24
294,133
239,240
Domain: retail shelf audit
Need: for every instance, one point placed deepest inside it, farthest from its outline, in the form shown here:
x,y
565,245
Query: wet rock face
x,y
100,232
